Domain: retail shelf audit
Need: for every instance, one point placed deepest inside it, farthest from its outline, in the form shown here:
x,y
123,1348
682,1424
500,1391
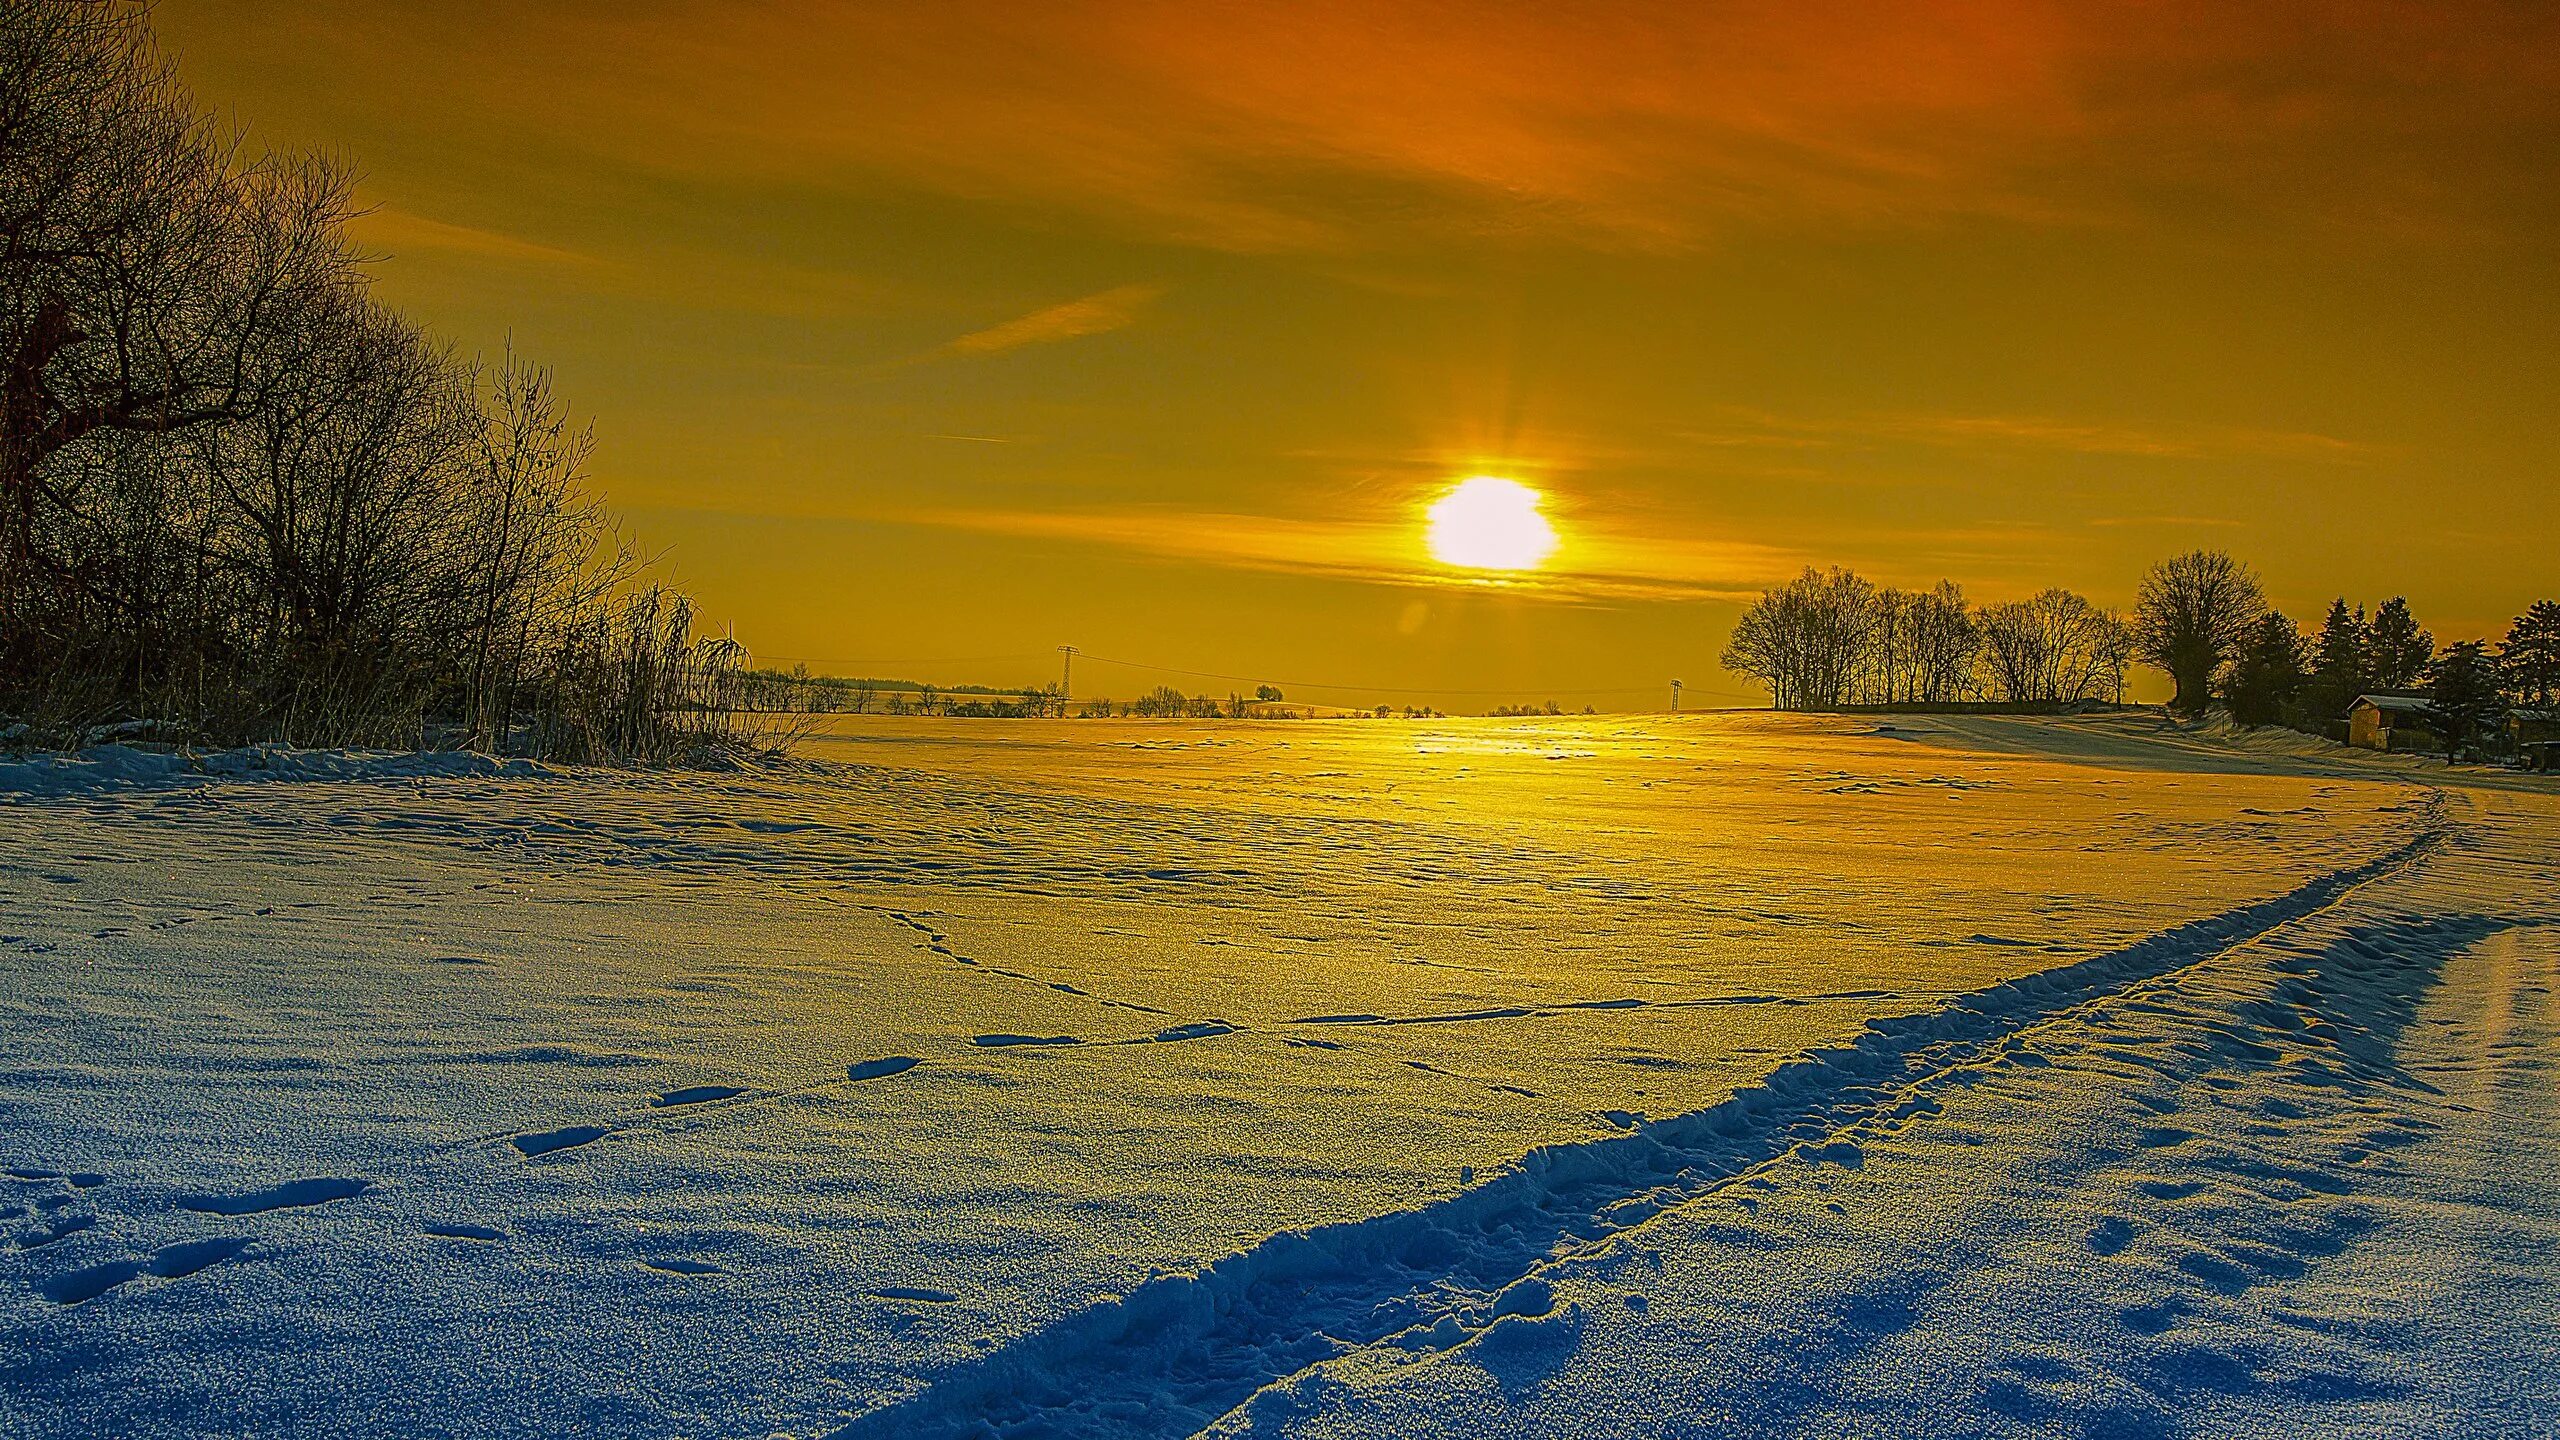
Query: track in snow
x,y
1179,1352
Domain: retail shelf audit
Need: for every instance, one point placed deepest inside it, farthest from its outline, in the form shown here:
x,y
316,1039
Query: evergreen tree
x,y
2266,676
2337,662
2396,650
2530,659
2465,705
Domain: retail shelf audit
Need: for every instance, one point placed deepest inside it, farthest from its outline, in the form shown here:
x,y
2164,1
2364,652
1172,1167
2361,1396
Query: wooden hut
x,y
2372,718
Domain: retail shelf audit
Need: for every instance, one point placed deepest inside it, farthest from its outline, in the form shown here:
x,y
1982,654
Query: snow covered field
x,y
1699,1075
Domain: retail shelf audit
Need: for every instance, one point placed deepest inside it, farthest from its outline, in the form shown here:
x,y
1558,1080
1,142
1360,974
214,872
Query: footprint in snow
x,y
694,1095
2223,1276
169,1262
909,1292
882,1068
75,1179
463,1232
2111,1235
1001,1041
1196,1030
79,1287
44,1235
566,1138
291,1195
177,1262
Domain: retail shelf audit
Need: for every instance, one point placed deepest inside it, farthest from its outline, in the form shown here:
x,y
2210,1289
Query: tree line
x,y
2277,675
1830,639
244,498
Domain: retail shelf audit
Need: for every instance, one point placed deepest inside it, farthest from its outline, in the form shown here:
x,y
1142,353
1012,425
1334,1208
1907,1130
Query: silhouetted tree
x,y
240,495
1805,639
2530,660
2396,649
1163,702
2266,676
535,535
153,277
2053,648
2193,614
1944,637
1889,671
2465,704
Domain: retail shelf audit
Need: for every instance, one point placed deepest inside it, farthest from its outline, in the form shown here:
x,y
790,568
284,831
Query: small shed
x,y
2372,718
2533,727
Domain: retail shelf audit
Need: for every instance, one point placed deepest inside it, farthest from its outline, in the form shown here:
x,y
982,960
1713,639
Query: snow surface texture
x,y
106,767
1702,1076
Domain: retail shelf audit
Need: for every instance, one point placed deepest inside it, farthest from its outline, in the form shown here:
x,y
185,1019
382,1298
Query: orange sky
x,y
928,337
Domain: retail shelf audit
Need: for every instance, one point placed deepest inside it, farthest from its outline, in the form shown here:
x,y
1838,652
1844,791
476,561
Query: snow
x,y
1716,1074
102,767
2306,1184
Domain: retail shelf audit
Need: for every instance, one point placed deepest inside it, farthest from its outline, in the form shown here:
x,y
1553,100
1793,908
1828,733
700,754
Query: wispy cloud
x,y
1097,314
1352,125
1094,314
2183,442
399,231
1386,550
1748,429
2163,522
671,274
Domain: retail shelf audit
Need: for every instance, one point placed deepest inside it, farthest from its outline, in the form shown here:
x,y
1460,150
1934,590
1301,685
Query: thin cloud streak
x,y
1097,314
1094,314
1764,430
1388,551
399,231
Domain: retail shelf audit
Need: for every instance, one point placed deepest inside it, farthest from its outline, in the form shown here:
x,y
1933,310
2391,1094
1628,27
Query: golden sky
x,y
925,337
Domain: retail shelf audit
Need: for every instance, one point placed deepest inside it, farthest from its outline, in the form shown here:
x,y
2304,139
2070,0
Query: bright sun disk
x,y
1488,523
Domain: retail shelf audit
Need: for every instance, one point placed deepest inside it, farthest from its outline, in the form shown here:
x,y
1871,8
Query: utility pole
x,y
1066,675
1675,697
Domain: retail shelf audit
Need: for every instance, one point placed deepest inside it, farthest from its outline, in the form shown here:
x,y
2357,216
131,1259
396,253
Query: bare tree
x,y
2053,648
238,493
1888,674
537,536
148,266
1806,640
340,496
1944,638
2194,613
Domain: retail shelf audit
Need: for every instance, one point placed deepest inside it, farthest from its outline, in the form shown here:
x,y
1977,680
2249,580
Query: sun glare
x,y
1488,523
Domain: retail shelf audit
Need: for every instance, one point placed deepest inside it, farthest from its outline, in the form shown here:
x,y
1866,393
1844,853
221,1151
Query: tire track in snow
x,y
1180,1351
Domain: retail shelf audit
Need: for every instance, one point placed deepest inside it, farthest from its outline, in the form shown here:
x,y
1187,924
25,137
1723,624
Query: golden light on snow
x,y
1488,523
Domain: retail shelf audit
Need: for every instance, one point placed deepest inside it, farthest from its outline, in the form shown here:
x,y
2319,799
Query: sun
x,y
1488,523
